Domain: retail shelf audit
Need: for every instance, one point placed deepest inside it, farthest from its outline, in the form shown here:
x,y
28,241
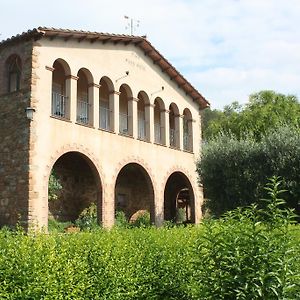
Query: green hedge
x,y
251,253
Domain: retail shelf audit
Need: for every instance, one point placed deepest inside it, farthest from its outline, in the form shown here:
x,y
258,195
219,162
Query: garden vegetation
x,y
250,253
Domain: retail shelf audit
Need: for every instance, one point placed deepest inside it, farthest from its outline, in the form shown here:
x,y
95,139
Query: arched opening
x,y
125,122
187,130
105,104
179,199
134,191
60,95
143,116
84,97
14,71
159,122
80,187
174,125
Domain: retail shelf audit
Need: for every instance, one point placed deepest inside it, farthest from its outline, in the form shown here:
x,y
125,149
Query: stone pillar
x,y
179,131
108,206
159,208
132,117
114,110
94,104
165,127
71,86
149,115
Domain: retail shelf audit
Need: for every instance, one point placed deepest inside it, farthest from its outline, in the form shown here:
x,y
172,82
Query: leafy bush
x,y
87,219
251,253
233,172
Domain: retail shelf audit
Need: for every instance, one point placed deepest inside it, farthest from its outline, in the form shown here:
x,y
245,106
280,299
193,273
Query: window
x,y
14,69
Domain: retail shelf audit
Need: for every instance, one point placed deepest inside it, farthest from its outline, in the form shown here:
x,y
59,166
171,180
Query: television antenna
x,y
131,24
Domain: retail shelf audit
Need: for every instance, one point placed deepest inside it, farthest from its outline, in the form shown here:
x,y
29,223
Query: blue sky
x,y
227,49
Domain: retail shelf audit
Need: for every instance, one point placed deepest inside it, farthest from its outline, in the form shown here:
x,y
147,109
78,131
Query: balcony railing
x,y
157,133
104,122
83,108
59,105
123,123
172,138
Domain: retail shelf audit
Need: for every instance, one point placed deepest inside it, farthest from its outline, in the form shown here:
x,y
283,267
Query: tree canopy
x,y
264,111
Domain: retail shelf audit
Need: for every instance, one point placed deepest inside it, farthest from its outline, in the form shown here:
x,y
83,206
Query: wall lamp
x,y
29,113
126,74
160,90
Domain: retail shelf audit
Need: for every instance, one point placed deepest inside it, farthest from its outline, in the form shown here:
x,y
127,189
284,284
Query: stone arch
x,y
81,185
106,104
125,110
159,121
60,104
134,191
143,116
85,97
179,197
93,160
147,170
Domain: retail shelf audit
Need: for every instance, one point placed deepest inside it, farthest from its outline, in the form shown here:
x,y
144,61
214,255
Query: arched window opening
x,y
187,130
104,106
84,107
123,111
159,120
14,69
141,118
174,125
59,96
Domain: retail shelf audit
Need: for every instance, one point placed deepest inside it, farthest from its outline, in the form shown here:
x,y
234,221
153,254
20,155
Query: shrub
x,y
233,172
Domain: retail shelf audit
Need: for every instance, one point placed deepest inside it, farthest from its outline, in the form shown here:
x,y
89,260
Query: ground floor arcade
x,y
133,190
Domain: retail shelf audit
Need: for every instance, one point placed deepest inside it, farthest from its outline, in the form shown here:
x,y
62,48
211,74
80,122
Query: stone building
x,y
115,121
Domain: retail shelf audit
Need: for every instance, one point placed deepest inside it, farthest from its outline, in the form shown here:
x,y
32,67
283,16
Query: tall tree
x,y
264,111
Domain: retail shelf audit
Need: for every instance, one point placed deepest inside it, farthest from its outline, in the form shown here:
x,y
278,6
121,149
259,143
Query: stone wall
x,y
14,138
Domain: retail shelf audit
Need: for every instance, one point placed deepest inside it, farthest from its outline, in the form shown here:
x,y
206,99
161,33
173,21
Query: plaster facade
x,y
112,123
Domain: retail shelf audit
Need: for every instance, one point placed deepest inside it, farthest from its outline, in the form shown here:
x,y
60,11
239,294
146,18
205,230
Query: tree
x,y
264,111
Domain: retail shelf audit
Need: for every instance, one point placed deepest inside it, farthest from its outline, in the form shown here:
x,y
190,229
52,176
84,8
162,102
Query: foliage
x,y
54,186
264,111
245,255
250,254
233,172
142,221
87,219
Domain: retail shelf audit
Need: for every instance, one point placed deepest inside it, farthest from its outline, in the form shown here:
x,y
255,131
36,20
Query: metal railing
x,y
172,137
58,105
83,108
104,121
157,133
123,123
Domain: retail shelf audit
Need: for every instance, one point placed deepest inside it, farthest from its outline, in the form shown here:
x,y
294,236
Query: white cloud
x,y
227,49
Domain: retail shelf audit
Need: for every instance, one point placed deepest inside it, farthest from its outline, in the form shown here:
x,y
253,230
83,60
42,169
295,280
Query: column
x,y
165,127
71,86
149,111
94,104
132,116
179,131
114,110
